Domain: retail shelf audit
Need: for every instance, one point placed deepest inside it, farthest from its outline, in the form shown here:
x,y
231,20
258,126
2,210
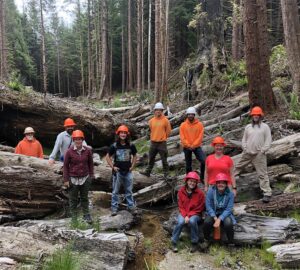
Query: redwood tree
x,y
257,54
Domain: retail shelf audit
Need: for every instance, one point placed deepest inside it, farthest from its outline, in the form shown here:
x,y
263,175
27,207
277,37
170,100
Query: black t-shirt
x,y
122,155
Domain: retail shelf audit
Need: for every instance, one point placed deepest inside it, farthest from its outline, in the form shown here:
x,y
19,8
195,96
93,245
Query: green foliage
x,y
267,257
150,265
62,259
278,61
296,215
80,224
294,109
236,76
278,53
15,85
142,146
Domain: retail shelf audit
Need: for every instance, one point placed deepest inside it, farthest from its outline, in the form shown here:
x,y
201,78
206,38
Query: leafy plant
x,y
62,259
15,85
294,107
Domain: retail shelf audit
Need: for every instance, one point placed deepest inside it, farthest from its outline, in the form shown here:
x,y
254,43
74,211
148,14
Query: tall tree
x,y
149,46
139,45
43,47
257,55
3,49
237,31
157,82
291,26
130,55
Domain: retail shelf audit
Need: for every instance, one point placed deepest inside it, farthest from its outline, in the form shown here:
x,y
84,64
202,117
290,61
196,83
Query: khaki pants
x,y
259,161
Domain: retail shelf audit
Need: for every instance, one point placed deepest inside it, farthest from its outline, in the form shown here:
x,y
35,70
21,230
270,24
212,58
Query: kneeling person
x,y
219,205
124,161
191,204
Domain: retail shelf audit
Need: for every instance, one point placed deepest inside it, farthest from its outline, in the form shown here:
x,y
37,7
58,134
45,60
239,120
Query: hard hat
x,y
257,111
218,140
122,128
158,106
29,130
77,134
191,110
192,175
69,122
222,177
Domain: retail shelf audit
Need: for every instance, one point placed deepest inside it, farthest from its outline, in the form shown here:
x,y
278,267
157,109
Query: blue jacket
x,y
222,211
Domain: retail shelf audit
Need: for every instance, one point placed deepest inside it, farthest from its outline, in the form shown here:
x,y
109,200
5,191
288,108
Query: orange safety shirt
x,y
191,133
30,148
160,128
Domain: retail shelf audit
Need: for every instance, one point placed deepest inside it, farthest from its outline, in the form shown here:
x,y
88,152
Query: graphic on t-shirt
x,y
123,155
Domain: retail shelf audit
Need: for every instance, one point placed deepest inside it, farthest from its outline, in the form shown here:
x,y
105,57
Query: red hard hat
x,y
218,140
69,122
192,175
257,111
77,134
222,177
122,128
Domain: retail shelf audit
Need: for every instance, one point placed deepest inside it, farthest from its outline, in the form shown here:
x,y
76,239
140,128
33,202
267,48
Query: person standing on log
x,y
219,163
191,135
160,130
219,206
30,146
78,174
63,141
124,161
191,202
256,142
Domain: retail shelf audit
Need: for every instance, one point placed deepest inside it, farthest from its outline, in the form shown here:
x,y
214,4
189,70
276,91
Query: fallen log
x,y
288,255
293,124
278,204
6,148
254,230
31,243
19,109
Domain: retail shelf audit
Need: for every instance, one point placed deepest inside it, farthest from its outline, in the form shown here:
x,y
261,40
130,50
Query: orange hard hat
x,y
69,122
77,134
257,111
122,128
218,140
222,177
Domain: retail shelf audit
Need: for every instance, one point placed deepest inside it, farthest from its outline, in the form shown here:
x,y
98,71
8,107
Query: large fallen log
x,y
47,114
33,243
288,255
254,230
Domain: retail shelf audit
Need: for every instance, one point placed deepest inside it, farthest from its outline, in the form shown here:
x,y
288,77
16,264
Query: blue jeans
x,y
199,154
193,224
126,179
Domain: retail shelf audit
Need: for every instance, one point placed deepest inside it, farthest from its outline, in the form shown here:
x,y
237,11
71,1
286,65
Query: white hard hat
x,y
191,110
29,130
158,106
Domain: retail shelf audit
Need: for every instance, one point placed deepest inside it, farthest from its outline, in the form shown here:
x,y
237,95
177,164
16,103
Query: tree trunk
x,y
43,49
90,87
291,26
236,46
142,45
257,51
3,49
123,60
139,45
149,48
130,68
157,70
82,82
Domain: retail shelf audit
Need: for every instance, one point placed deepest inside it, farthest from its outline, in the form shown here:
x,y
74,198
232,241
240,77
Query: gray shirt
x,y
257,138
62,144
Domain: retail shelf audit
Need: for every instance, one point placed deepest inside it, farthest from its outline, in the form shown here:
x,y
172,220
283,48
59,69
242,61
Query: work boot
x,y
87,218
146,173
174,247
114,213
194,247
266,199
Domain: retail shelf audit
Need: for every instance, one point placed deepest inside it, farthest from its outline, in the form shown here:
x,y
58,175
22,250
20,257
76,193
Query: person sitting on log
x,y
191,202
63,141
219,163
191,135
78,174
219,205
160,130
124,161
30,146
256,142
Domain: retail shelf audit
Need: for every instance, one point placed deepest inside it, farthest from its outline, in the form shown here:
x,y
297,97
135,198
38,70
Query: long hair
x,y
127,140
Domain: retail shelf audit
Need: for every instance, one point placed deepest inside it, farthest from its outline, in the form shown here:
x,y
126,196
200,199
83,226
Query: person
x,y
191,202
78,173
124,161
160,130
219,204
63,141
219,163
191,135
255,143
30,146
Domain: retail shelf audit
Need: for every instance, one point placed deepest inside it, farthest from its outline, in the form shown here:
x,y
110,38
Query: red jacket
x,y
78,165
191,206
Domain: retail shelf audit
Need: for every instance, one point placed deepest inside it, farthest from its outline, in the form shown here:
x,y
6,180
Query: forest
x,y
109,63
